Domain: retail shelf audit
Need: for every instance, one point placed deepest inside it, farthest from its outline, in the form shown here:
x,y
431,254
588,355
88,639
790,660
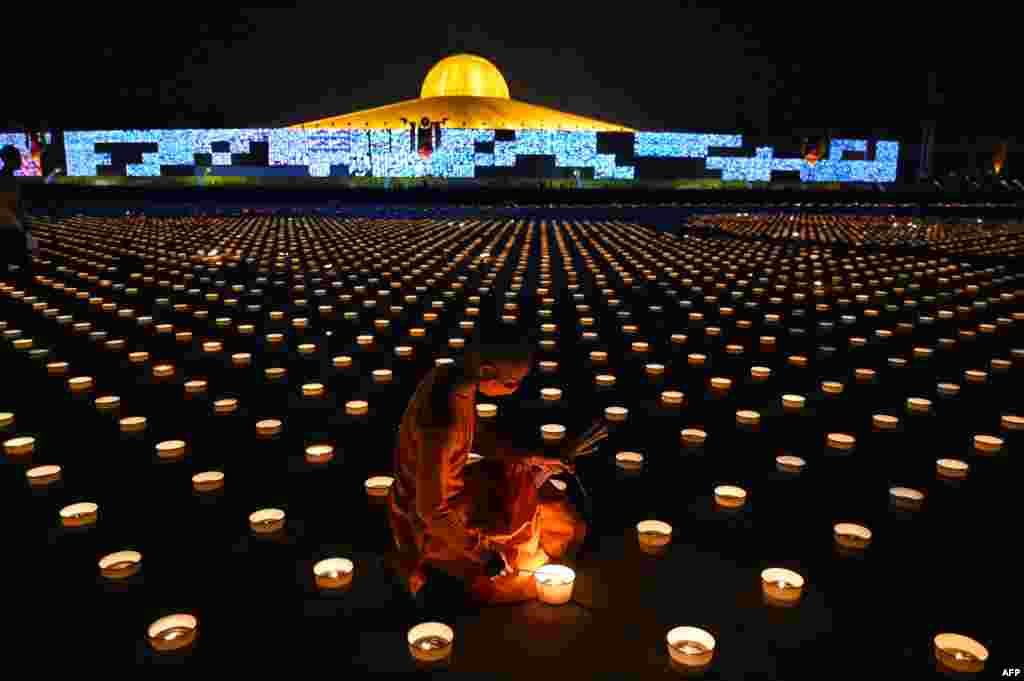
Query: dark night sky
x,y
757,71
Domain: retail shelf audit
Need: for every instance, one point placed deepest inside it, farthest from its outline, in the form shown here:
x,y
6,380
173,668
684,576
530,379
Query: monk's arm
x,y
504,589
431,501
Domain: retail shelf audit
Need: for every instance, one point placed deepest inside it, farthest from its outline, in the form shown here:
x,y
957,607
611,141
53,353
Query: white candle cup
x,y
690,649
173,633
486,411
616,414
548,367
832,388
696,359
444,362
640,347
382,375
730,496
781,587
793,402
952,469
171,449
918,405
693,437
212,347
1011,422
317,454
988,444
82,514
864,375
364,340
133,424
307,348
342,362
41,476
841,441
241,359
163,370
121,564
654,369
208,481
672,398
59,369
790,464
268,427
6,419
906,498
333,574
851,536
598,357
678,339
719,384
554,584
550,394
226,405
430,643
267,520
748,417
654,536
552,432
403,351
760,373
604,380
379,486
960,653
629,461
884,421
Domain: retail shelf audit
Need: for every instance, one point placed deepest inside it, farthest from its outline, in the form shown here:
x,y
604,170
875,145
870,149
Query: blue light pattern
x,y
386,153
18,141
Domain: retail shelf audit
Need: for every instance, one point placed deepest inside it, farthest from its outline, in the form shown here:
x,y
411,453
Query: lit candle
x,y
554,584
319,453
864,375
629,461
906,498
598,357
208,481
195,387
269,427
671,398
430,642
550,394
313,390
616,414
267,520
952,468
171,449
552,432
226,405
654,369
307,348
108,402
444,362
40,476
6,419
342,362
730,496
790,464
175,632
548,367
379,486
960,653
275,373
486,411
987,444
364,340
241,359
918,405
403,351
654,536
975,376
747,417
163,370
781,586
459,343
693,436
841,441
851,536
120,565
721,384
212,347
696,360
58,369
417,332
793,402
79,515
333,573
80,383
690,648
133,424
1011,422
760,373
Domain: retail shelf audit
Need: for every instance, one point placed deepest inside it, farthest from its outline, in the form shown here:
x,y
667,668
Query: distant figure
x,y
15,238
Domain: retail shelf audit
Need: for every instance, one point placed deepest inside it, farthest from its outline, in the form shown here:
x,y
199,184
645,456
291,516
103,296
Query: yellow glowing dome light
x,y
464,75
467,92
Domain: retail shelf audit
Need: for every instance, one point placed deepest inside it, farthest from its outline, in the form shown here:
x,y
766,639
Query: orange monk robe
x,y
441,511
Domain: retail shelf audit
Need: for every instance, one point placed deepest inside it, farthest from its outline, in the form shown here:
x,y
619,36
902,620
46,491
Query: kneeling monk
x,y
450,519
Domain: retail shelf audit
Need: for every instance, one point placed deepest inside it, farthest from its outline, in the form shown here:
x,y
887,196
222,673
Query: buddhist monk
x,y
474,527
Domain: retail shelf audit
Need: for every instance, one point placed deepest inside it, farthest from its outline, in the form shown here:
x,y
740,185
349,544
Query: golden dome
x,y
464,75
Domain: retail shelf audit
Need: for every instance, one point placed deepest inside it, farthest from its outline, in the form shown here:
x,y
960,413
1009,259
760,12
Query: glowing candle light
x,y
195,386
357,408
841,441
342,362
730,496
548,367
832,387
793,402
444,362
226,405
960,653
333,573
884,421
40,476
23,344
654,536
693,436
760,373
171,449
121,564
781,586
689,648
953,469
696,359
403,351
6,419
550,394
605,380
678,338
269,427
554,584
246,329
616,414
790,464
82,514
275,338
671,398
275,373
987,444
598,357
906,498
721,384
379,486
212,347
552,432
654,369
163,370
319,453
133,424
267,520
431,642
918,405
975,376
364,340
486,411
208,481
313,390
1008,422
629,461
417,332
174,632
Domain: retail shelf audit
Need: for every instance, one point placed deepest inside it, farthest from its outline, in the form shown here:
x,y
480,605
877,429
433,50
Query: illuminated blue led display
x,y
19,141
387,153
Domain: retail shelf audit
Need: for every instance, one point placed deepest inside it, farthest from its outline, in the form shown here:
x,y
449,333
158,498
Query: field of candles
x,y
811,467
